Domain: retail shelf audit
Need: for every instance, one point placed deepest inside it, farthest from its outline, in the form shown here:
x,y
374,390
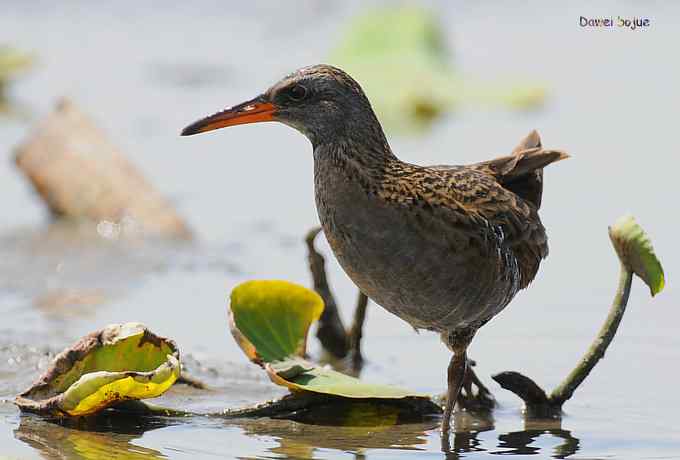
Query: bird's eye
x,y
297,92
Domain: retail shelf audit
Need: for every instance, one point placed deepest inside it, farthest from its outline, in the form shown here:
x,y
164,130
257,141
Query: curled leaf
x,y
271,318
118,363
634,248
270,321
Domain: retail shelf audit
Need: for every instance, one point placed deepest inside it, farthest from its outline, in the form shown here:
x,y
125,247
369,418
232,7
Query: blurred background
x,y
455,83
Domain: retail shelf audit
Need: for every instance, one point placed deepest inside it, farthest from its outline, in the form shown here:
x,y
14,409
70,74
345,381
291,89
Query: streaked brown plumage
x,y
443,247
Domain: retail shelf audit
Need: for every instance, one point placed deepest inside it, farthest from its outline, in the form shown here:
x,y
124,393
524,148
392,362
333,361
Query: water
x,y
144,72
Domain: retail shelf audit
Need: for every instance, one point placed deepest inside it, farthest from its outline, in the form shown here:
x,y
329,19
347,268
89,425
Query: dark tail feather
x,y
522,171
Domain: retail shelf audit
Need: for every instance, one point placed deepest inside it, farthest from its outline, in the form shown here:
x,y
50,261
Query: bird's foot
x,y
474,395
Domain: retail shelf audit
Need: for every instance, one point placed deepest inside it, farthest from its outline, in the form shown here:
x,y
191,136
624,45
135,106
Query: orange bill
x,y
252,111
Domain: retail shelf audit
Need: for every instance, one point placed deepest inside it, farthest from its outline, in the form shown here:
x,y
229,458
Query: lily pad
x,y
270,321
634,248
118,363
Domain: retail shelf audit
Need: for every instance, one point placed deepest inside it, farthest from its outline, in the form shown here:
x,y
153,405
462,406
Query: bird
x,y
444,247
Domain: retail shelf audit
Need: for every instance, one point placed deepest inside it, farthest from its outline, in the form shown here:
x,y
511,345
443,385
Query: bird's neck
x,y
364,152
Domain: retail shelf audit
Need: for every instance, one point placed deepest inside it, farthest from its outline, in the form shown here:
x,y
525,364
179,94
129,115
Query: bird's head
x,y
321,101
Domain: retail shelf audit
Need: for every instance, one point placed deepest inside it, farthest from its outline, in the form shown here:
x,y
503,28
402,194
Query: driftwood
x,y
79,174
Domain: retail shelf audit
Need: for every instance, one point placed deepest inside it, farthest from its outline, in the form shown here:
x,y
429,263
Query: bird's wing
x,y
513,222
506,193
521,172
494,201
470,213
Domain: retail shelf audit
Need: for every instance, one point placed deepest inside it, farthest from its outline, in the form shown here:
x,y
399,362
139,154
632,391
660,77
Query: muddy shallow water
x,y
144,72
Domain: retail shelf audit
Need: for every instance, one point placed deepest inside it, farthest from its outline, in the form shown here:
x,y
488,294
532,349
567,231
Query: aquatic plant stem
x,y
356,332
536,401
597,349
331,332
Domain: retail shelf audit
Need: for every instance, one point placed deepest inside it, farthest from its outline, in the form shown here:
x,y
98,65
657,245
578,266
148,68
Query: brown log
x,y
79,174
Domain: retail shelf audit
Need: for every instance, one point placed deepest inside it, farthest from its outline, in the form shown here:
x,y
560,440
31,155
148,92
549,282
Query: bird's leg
x,y
456,375
458,342
482,400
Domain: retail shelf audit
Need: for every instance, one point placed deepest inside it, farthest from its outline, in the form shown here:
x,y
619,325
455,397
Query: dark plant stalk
x,y
331,332
537,403
566,389
356,332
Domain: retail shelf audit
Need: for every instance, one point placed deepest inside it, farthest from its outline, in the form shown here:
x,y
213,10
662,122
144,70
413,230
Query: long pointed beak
x,y
253,111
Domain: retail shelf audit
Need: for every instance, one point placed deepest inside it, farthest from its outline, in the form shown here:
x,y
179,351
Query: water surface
x,y
144,72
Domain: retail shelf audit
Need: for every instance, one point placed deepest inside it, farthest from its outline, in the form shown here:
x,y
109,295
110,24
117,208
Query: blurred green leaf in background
x,y
401,59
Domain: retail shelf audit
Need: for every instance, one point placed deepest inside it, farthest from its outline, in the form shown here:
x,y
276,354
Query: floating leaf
x,y
120,362
270,321
327,381
635,251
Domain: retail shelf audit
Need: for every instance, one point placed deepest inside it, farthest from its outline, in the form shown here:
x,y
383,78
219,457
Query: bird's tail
x,y
521,172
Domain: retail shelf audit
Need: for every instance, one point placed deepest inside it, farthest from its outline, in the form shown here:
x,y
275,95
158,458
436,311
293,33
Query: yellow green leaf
x,y
634,248
310,377
270,321
274,317
13,62
120,362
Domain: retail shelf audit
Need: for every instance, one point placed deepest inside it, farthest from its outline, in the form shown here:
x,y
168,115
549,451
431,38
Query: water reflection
x,y
516,442
519,442
297,440
467,427
114,437
91,438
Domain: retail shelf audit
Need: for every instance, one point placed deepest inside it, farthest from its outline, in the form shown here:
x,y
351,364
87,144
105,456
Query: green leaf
x,y
274,317
634,248
13,62
316,379
401,59
270,321
118,363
